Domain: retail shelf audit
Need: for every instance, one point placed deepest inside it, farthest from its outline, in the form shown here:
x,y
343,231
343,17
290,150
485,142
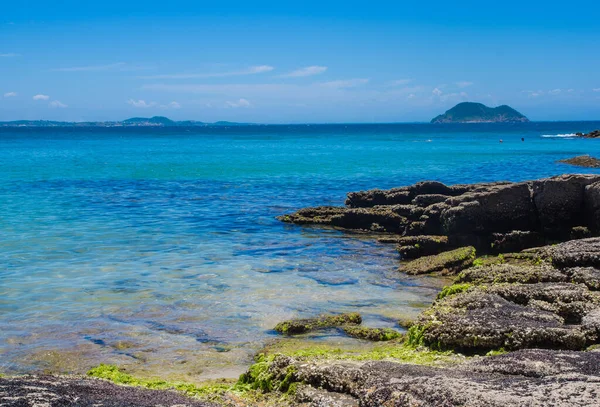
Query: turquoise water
x,y
159,248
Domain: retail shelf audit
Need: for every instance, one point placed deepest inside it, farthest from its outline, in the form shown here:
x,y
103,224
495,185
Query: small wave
x,y
568,135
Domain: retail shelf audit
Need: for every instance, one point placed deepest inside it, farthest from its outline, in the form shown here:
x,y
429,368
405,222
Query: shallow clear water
x,y
159,248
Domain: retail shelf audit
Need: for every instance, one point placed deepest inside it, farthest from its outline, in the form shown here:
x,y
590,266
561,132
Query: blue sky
x,y
272,62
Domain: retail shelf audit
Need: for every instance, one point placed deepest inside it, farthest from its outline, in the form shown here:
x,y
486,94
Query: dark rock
x,y
500,208
582,161
371,334
478,321
60,391
591,134
515,241
450,262
522,378
411,247
507,273
428,199
559,201
574,253
592,206
299,326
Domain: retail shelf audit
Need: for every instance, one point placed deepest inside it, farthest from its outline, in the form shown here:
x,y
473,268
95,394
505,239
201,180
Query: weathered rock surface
x,y
582,161
503,215
55,391
522,378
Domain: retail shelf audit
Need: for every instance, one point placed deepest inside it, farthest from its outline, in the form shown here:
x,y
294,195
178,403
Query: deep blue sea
x,y
158,249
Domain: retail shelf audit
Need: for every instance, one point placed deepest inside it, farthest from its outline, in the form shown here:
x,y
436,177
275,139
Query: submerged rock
x,y
300,326
582,161
450,262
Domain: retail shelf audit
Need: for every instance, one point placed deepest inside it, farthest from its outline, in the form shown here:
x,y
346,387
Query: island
x,y
155,121
469,112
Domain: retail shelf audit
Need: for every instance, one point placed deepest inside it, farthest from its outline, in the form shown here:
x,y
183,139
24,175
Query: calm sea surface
x,y
159,249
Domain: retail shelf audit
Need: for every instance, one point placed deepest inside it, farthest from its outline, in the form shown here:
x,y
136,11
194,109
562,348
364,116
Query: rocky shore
x,y
519,325
591,134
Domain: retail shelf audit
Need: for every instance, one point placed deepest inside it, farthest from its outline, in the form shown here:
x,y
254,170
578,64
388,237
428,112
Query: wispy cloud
x,y
92,68
41,97
306,71
174,105
248,71
400,82
57,104
239,103
463,84
9,55
343,84
10,94
596,90
437,92
555,92
140,103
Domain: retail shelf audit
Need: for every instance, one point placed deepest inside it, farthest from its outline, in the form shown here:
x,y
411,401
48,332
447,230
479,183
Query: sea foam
x,y
567,135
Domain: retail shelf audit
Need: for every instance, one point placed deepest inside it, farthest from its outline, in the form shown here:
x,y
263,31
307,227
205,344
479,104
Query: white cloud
x,y
342,84
57,104
436,92
400,82
140,103
9,55
239,103
10,94
306,71
174,105
248,71
464,84
596,90
91,68
554,92
41,97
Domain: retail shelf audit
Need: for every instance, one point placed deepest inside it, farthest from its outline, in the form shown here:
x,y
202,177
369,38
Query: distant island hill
x,y
466,112
469,112
156,121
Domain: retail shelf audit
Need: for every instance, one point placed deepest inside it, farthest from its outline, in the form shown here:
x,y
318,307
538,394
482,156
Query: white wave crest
x,y
568,135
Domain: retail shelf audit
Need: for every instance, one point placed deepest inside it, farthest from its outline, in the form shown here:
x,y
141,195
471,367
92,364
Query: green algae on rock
x,y
300,326
371,334
449,262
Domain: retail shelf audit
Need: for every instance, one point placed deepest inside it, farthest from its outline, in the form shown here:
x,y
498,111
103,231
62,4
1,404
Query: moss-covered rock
x,y
371,334
450,262
300,326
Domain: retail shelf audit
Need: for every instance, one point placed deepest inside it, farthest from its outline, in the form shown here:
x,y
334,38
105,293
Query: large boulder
x,y
559,201
500,208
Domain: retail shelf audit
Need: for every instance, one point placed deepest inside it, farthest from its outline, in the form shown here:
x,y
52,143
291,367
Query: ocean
x,y
158,249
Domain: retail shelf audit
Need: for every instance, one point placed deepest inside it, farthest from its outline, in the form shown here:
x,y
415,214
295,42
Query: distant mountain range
x,y
156,121
469,112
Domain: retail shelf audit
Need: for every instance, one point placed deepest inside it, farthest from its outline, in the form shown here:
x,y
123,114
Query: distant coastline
x,y
156,121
